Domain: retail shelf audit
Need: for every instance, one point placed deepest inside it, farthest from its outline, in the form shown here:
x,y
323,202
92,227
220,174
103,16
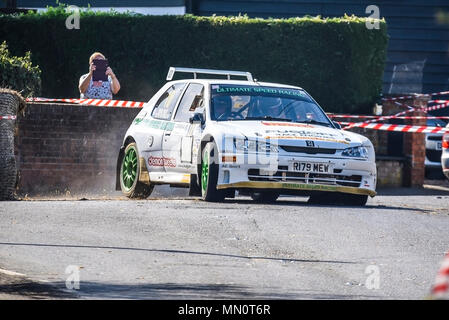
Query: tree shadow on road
x,y
22,288
163,291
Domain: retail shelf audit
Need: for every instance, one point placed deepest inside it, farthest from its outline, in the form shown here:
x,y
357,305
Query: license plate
x,y
315,167
439,145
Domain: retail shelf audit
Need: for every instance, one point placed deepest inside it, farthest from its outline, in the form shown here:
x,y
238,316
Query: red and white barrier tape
x,y
445,104
417,95
437,107
395,116
8,117
357,124
93,102
352,116
437,101
441,287
394,127
348,116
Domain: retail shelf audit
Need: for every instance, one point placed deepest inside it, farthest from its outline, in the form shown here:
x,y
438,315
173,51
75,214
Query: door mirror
x,y
197,119
196,103
336,124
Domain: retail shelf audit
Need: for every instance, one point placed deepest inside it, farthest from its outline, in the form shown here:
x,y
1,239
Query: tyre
x,y
209,174
335,198
129,175
265,196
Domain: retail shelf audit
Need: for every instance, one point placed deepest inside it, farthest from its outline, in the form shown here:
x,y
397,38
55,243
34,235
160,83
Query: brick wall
x,y
69,148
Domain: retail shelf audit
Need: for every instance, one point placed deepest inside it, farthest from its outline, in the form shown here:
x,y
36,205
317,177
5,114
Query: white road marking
x,y
11,273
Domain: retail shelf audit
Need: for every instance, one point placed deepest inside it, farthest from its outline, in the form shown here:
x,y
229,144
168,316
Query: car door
x,y
178,143
157,123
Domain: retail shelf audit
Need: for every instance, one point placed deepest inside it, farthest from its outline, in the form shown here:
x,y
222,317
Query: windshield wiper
x,y
268,118
312,121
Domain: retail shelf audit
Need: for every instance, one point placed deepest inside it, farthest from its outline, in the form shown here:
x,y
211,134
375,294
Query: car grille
x,y
308,150
283,175
433,155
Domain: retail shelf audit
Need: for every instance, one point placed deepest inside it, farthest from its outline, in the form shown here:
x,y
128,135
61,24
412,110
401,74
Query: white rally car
x,y
260,139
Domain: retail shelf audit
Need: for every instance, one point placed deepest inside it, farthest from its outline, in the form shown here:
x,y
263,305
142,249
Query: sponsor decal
x,y
185,178
155,124
223,89
231,166
304,138
302,135
161,162
185,166
303,186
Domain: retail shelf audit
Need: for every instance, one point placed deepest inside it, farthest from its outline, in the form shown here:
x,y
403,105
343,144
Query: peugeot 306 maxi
x,y
260,139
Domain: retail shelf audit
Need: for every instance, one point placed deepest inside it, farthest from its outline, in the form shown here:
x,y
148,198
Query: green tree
x,y
18,73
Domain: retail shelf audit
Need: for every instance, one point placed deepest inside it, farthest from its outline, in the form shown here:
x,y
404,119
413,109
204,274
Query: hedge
x,y
18,73
337,60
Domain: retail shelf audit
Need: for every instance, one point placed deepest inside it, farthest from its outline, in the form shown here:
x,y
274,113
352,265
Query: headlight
x,y
356,152
246,145
267,147
240,144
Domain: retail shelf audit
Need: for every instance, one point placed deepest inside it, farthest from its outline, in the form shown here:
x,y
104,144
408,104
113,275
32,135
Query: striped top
x,y
97,89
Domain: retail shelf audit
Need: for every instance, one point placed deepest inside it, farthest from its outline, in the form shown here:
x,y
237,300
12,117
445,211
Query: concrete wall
x,y
390,172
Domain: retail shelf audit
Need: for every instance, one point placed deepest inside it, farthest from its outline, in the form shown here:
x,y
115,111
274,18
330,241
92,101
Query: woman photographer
x,y
91,88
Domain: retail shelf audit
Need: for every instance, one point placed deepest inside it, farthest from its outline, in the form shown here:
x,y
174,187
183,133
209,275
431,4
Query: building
x,y
153,7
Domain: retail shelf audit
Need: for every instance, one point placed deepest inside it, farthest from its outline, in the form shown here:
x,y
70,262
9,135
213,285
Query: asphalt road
x,y
171,248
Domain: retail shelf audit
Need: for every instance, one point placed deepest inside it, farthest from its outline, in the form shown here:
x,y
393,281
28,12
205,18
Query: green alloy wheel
x,y
209,175
129,175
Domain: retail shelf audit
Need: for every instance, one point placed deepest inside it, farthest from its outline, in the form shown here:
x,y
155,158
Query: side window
x,y
166,103
183,114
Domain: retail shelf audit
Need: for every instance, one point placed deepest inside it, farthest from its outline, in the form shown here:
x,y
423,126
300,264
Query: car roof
x,y
236,82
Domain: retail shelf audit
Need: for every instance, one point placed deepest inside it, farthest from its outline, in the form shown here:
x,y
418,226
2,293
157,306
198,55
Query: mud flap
x,y
117,171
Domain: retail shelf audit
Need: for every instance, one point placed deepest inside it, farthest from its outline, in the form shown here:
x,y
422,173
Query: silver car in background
x,y
433,150
445,153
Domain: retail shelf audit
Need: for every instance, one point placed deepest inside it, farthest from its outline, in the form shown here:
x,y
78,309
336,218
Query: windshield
x,y
238,102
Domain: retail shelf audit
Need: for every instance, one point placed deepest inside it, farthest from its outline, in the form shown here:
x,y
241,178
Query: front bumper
x,y
296,186
346,176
